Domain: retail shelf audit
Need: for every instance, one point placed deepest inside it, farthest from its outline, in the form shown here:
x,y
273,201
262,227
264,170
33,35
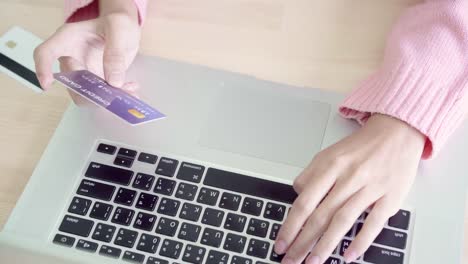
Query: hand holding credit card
x,y
115,100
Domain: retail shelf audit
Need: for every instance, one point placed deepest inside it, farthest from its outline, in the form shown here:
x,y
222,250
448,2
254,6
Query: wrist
x,y
396,130
120,7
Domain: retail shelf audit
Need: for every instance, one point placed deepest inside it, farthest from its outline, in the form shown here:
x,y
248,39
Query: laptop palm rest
x,y
266,124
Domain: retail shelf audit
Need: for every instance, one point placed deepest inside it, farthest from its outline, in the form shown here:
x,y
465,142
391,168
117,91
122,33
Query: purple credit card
x,y
117,101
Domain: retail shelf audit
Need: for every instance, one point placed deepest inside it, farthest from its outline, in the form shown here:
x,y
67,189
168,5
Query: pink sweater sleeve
x,y
423,79
79,10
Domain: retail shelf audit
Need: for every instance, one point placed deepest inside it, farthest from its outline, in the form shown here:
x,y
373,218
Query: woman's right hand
x,y
105,46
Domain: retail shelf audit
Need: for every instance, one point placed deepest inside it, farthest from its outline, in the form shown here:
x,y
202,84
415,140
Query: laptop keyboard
x,y
144,208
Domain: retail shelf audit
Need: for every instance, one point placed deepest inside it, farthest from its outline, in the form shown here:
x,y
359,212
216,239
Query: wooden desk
x,y
328,44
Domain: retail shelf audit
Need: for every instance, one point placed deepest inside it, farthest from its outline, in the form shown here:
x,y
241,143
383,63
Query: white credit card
x,y
16,56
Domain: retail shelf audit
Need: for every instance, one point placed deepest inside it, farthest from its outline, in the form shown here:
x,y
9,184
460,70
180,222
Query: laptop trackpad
x,y
266,124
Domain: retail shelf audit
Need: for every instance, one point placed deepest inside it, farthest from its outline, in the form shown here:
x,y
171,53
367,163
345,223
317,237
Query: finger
x,y
49,51
320,219
301,180
131,86
44,58
301,209
383,209
70,64
341,223
114,59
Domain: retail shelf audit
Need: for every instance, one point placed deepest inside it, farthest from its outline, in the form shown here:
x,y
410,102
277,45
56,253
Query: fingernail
x,y
287,261
280,247
350,256
44,82
130,87
313,260
116,80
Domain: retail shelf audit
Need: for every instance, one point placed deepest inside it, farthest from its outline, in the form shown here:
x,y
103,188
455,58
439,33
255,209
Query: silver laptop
x,y
212,182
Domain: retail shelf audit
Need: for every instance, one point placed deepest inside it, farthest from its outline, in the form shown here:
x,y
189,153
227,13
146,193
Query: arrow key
x,y
133,257
87,246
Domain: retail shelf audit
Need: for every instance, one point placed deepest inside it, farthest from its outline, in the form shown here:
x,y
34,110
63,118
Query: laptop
x,y
212,182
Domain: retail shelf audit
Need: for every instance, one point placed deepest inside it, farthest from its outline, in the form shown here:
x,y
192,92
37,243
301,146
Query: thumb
x,y
114,57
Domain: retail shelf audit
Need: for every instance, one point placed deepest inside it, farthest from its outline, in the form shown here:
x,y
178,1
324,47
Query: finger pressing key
x,y
374,224
342,221
302,207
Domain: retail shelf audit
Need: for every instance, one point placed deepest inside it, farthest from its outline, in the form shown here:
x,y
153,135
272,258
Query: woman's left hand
x,y
374,167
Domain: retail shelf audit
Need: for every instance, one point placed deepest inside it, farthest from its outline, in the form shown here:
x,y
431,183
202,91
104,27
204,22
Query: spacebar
x,y
250,185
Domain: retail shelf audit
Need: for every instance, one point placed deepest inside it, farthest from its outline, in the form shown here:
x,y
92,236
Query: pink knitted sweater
x,y
423,79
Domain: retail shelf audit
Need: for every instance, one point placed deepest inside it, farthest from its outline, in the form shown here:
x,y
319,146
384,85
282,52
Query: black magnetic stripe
x,y
19,69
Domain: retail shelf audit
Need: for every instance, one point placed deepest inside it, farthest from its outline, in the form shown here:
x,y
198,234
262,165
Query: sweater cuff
x,y
402,91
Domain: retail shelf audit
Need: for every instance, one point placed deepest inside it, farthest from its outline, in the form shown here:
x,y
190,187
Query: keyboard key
x,y
64,240
186,191
230,201
143,181
216,257
101,211
147,158
384,256
96,190
125,196
250,185
190,212
110,251
333,260
126,238
127,153
358,228
212,217
258,248
123,216
235,243
167,167
167,226
274,231
275,257
148,243
189,232
208,196
193,254
235,222
133,257
391,238
87,246
274,211
363,216
153,260
123,161
76,226
241,260
106,149
350,232
168,207
212,237
170,249
164,186
344,245
252,206
109,173
400,220
258,227
145,221
79,206
146,202
104,232
190,172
